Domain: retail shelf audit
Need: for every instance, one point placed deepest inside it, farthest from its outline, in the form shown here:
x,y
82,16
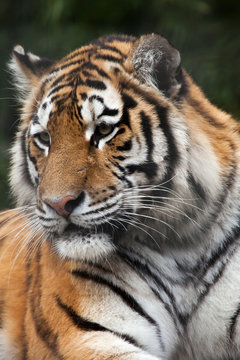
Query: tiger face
x,y
94,135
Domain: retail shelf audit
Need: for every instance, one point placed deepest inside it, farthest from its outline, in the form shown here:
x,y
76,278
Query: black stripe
x,y
123,179
174,316
145,271
91,66
57,88
118,166
31,158
67,77
36,118
66,65
186,318
125,117
197,187
128,101
41,325
147,131
5,221
225,248
117,133
173,156
100,209
149,169
126,146
25,169
43,218
109,58
96,97
120,131
81,51
126,298
216,255
198,106
233,323
121,158
34,162
78,320
77,113
109,47
221,250
86,73
99,85
109,112
87,325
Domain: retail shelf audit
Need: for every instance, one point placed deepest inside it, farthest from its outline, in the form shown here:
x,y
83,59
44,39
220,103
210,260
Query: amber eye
x,y
104,129
44,137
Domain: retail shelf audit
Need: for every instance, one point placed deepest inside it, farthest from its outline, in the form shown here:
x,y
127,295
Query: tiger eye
x,y
44,137
105,129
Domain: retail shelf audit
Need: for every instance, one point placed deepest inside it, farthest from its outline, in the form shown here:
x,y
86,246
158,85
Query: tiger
x,y
124,240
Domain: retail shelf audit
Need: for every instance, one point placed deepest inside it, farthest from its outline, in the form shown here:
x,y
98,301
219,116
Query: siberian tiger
x,y
125,240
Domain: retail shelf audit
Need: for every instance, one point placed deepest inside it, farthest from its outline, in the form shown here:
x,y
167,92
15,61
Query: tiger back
x,y
124,243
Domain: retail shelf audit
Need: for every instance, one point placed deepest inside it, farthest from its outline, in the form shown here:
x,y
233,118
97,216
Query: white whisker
x,y
155,219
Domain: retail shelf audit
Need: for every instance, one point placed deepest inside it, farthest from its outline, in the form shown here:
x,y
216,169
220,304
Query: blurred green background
x,y
207,33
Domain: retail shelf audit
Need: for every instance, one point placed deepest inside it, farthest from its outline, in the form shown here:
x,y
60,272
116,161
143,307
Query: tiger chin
x,y
124,243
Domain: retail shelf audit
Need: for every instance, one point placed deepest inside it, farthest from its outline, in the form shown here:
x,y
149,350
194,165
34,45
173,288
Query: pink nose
x,y
63,206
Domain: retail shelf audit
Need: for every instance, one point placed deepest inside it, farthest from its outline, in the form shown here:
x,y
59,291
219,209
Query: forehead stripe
x,y
65,76
91,66
96,84
95,97
109,58
69,64
85,65
57,88
112,48
109,112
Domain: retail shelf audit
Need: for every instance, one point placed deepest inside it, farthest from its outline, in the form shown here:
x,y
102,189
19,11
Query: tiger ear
x,y
27,69
157,64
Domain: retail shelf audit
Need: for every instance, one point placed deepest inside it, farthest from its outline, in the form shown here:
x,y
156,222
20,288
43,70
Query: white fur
x,y
43,113
78,247
7,350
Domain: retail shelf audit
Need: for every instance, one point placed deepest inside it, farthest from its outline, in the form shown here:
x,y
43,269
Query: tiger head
x,y
102,136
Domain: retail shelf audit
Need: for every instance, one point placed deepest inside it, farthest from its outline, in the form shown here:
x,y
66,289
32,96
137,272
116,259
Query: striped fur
x,y
125,240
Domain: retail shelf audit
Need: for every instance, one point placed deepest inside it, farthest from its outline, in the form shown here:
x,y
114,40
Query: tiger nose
x,y
65,206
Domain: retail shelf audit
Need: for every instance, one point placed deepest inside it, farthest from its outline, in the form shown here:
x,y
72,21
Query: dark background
x,y
207,33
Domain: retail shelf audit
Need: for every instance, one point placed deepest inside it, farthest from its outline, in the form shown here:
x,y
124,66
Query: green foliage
x,y
205,31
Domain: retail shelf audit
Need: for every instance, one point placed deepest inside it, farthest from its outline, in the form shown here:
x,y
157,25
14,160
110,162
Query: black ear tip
x,y
158,41
157,63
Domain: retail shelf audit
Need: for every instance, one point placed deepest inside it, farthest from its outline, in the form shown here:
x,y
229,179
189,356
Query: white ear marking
x,y
19,49
33,57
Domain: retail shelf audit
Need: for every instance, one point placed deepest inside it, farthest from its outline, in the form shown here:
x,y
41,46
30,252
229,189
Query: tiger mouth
x,y
113,230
